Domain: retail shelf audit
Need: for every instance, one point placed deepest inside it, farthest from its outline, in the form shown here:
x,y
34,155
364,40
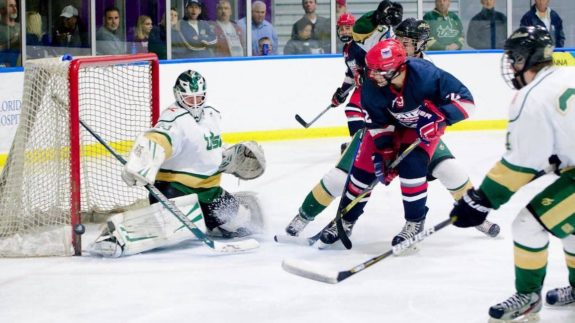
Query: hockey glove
x,y
388,13
429,124
381,164
338,97
143,163
471,210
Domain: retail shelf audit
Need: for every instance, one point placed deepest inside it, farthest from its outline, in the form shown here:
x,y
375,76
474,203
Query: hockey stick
x,y
338,218
172,208
307,124
308,270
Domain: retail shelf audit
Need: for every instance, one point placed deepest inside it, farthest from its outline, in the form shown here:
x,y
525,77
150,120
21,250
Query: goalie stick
x,y
308,270
228,247
307,124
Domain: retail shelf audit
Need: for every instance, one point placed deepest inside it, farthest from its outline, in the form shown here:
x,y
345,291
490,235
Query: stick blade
x,y
310,270
301,121
302,241
236,246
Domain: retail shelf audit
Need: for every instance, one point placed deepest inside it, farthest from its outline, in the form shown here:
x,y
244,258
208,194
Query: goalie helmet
x,y
385,60
190,93
345,34
526,48
418,31
388,13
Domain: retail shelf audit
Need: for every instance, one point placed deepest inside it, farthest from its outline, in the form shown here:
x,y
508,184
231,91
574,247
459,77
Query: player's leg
x,y
556,201
329,187
454,178
531,242
147,228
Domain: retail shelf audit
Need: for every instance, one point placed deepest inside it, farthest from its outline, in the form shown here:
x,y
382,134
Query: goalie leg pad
x,y
244,160
148,228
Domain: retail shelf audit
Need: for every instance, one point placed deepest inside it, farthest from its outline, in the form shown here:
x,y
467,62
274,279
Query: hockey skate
x,y
297,224
560,296
409,231
490,229
517,308
328,236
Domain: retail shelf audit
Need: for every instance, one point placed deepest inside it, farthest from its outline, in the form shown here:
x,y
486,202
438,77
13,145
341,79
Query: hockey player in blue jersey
x,y
406,99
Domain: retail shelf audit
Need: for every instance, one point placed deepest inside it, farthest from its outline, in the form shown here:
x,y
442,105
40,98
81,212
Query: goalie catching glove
x,y
143,163
244,160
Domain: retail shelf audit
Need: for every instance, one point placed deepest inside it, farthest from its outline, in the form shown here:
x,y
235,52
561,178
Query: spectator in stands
x,y
69,32
488,28
230,38
265,47
260,28
157,39
303,43
9,34
37,41
541,15
446,27
142,34
197,39
321,29
109,39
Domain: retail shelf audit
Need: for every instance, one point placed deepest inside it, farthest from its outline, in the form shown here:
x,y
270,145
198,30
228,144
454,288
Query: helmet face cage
x,y
345,24
416,31
190,93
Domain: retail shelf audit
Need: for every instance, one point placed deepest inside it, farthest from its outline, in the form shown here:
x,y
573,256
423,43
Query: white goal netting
x,y
38,182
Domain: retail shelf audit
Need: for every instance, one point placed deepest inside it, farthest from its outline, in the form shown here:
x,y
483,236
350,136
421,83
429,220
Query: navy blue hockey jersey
x,y
424,81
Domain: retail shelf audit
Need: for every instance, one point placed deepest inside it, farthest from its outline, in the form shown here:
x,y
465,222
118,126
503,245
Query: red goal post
x,y
56,172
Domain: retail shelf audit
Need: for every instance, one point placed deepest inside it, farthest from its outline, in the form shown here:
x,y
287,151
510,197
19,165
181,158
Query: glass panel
x,y
10,34
310,30
265,40
111,27
55,28
485,23
207,28
446,26
559,10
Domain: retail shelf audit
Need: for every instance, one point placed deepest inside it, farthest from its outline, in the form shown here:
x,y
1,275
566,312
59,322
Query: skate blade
x,y
529,318
334,246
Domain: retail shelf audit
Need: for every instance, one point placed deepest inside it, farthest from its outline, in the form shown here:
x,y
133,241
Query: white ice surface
x,y
455,277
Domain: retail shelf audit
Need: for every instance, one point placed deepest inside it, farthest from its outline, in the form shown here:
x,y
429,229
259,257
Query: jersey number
x,y
567,100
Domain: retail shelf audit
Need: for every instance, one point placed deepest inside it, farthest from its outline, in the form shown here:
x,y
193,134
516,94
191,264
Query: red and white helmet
x,y
386,59
346,19
345,34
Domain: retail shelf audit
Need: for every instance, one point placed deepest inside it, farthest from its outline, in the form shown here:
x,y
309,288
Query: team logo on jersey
x,y
453,97
213,141
163,125
547,201
447,31
398,102
407,119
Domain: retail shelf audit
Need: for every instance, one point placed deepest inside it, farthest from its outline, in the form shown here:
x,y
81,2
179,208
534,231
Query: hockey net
x,y
56,172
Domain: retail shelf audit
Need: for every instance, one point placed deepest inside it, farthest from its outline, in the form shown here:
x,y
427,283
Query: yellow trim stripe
x,y
559,212
312,133
505,176
529,260
323,197
190,180
161,140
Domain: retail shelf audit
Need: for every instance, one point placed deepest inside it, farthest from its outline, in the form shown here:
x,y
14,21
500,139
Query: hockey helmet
x,y
190,93
416,31
385,61
527,47
345,34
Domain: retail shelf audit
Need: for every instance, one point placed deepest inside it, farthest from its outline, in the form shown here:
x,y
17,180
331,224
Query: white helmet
x,y
190,93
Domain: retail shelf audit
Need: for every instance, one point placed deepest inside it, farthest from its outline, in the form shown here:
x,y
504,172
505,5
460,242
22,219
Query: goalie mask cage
x,y
56,171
